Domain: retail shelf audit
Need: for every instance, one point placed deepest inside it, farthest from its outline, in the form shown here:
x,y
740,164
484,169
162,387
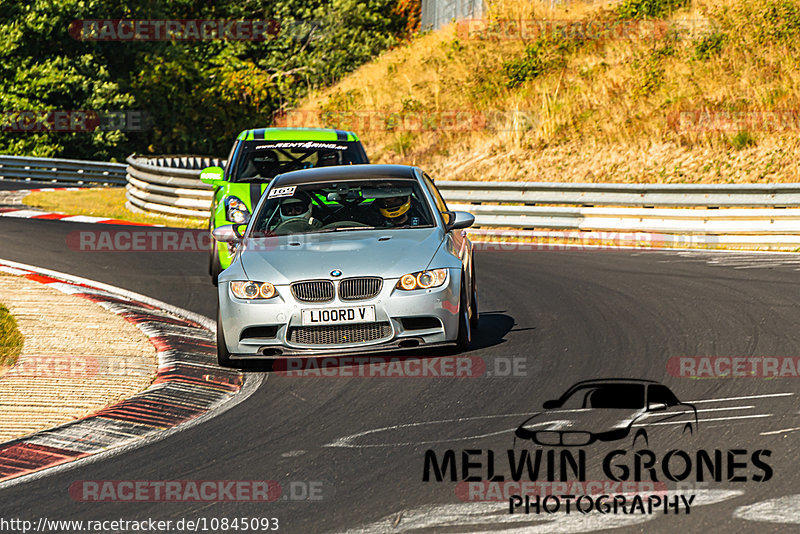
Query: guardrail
x,y
61,170
752,215
683,221
640,195
732,214
169,185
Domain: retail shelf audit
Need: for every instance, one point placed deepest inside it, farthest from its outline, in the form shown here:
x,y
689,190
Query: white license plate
x,y
355,314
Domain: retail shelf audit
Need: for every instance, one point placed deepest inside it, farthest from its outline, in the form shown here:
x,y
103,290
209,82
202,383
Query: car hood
x,y
595,420
384,253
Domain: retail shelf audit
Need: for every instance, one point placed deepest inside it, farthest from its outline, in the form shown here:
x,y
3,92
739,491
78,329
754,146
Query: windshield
x,y
342,206
610,396
260,161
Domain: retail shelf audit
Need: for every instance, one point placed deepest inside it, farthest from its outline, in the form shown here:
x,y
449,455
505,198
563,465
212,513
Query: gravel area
x,y
77,358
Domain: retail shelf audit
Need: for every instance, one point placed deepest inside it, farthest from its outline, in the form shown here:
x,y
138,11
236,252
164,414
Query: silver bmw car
x,y
361,258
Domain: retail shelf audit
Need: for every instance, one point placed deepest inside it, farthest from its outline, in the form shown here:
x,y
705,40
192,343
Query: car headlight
x,y
250,290
422,280
236,211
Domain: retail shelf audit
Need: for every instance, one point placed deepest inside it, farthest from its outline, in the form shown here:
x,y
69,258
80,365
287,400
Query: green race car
x,y
256,158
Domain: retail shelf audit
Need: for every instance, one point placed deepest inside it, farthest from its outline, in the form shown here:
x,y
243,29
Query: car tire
x,y
214,266
474,318
464,336
223,356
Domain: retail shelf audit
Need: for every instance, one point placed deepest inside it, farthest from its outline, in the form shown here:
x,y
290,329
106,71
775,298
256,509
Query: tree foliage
x,y
197,94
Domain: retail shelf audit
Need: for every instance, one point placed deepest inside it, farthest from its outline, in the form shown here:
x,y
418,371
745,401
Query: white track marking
x,y
481,517
752,259
747,397
781,510
348,441
84,219
25,214
756,416
11,270
345,441
758,266
702,410
772,432
292,454
251,381
726,408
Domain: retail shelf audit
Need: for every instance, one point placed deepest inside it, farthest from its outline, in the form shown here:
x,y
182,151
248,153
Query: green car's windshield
x,y
342,206
260,161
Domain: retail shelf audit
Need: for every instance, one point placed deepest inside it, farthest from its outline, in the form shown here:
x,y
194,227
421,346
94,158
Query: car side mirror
x,y
459,219
656,406
213,176
549,405
230,233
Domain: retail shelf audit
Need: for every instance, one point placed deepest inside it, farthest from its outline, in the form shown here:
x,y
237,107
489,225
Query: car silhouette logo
x,y
609,410
336,272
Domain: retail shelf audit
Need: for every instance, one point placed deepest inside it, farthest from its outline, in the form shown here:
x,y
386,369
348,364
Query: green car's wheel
x,y
214,266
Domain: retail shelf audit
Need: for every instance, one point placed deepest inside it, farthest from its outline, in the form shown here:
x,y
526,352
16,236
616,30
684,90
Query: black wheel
x,y
474,317
223,356
464,330
214,266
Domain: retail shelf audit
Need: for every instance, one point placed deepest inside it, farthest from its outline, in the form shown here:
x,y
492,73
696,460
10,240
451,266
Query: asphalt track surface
x,y
570,315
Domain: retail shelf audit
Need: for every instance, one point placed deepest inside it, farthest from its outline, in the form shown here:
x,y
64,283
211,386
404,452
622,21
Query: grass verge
x,y
10,339
103,203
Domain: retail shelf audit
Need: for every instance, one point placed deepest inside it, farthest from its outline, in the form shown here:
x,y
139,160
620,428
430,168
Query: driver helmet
x,y
394,207
295,208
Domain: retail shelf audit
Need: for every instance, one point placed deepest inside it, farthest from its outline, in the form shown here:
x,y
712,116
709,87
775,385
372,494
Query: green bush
x,y
10,338
710,45
650,68
771,21
540,56
742,140
648,9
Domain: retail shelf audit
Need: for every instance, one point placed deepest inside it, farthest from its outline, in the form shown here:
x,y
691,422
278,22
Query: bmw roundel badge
x,y
336,272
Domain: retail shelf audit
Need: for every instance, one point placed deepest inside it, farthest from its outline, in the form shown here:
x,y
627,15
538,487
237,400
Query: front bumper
x,y
395,309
